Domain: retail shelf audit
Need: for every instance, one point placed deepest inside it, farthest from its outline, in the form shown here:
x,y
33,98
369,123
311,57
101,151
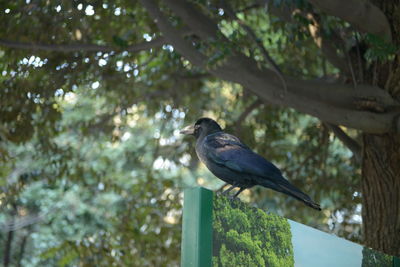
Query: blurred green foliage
x,y
95,201
92,164
246,236
379,49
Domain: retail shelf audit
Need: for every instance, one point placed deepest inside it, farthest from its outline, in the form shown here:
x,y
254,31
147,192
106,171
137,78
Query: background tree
x,y
245,236
93,94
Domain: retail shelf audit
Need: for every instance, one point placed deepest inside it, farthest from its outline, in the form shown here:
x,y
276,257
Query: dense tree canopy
x,y
245,236
94,93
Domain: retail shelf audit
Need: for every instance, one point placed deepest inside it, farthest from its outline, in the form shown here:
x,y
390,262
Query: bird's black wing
x,y
227,150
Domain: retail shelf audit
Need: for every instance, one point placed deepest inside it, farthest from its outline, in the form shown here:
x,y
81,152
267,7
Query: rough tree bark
x,y
381,160
381,192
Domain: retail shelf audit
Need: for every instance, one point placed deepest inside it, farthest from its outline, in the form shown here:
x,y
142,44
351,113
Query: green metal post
x,y
197,228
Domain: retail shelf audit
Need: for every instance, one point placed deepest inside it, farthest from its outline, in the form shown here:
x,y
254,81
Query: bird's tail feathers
x,y
296,193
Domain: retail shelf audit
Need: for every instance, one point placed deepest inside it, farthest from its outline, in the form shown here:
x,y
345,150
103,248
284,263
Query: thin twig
x,y
390,76
375,74
349,63
349,142
249,7
24,221
360,67
83,47
246,113
259,44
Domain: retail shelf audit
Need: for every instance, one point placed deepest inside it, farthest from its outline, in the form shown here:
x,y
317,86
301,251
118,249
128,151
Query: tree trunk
x,y
22,248
7,249
381,158
381,192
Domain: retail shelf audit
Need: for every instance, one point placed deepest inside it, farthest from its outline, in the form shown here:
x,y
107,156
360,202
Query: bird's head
x,y
202,127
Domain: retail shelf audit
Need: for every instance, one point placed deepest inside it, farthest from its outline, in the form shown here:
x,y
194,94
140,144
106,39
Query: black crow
x,y
236,164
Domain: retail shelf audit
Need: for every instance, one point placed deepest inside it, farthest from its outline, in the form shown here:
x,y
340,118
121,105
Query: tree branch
x,y
283,11
7,249
253,36
246,113
362,14
327,47
25,221
189,14
333,103
9,240
173,36
349,142
255,5
259,44
83,47
22,248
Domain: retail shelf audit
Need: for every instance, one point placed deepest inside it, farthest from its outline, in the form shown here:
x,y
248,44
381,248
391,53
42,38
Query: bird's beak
x,y
187,130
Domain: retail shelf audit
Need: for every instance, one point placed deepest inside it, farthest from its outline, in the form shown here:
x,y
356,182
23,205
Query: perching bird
x,y
236,164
